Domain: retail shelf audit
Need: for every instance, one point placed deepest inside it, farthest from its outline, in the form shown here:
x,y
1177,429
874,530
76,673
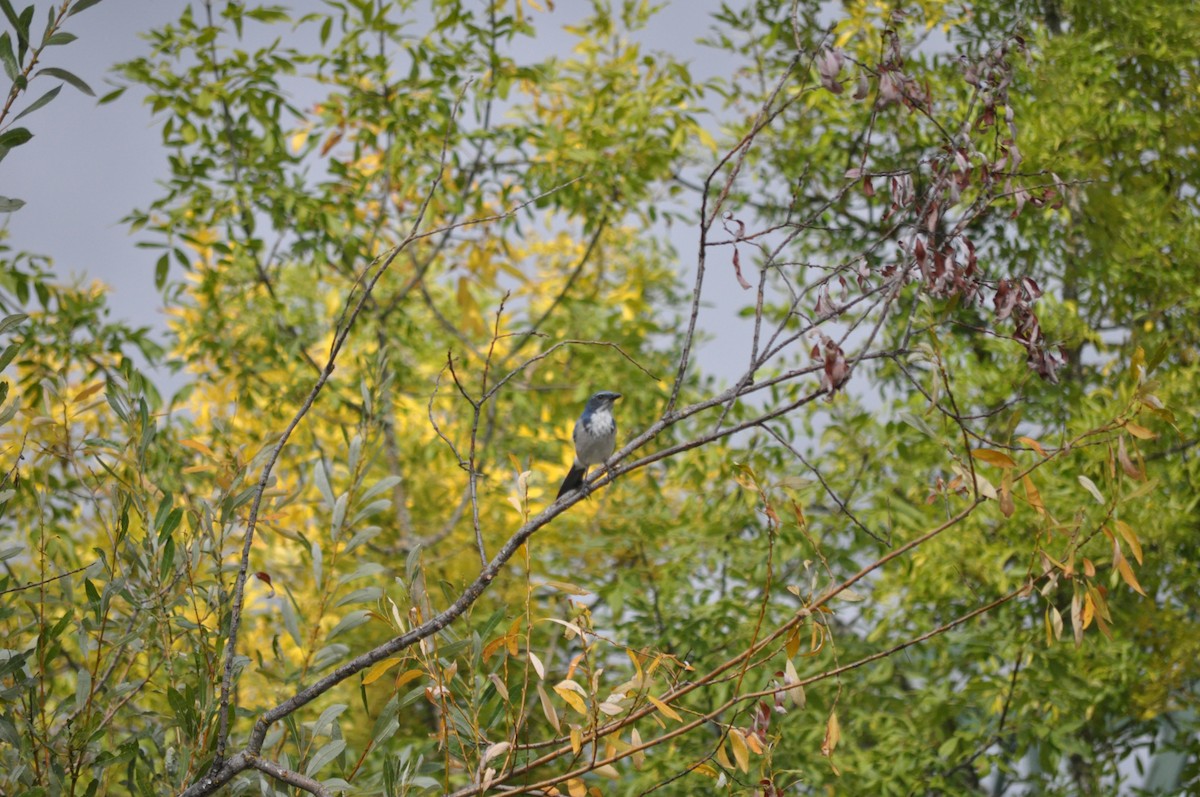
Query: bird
x,y
595,438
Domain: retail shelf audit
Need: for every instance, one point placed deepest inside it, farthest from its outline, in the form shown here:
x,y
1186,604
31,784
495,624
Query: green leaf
x,y
10,204
39,102
8,56
14,137
110,96
10,13
361,595
160,271
61,37
324,756
62,74
352,620
8,355
11,321
291,621
24,21
325,722
8,412
81,5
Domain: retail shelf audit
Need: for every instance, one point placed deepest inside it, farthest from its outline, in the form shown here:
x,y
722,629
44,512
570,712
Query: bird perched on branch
x,y
595,438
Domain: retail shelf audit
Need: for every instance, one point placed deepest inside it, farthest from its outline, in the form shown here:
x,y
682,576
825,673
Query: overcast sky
x,y
89,165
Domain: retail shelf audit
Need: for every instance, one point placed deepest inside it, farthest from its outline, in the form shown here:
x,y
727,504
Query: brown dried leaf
x,y
1054,624
497,749
1127,465
1127,575
833,734
1127,533
1034,444
1140,432
548,708
737,270
997,458
1006,499
638,756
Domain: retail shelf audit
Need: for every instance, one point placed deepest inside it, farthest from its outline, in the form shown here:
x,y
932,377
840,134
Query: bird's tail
x,y
573,481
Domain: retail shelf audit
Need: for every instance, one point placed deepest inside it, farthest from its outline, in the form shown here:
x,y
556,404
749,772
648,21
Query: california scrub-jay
x,y
595,438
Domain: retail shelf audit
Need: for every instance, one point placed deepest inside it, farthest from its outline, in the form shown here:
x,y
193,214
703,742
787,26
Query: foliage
x,y
932,539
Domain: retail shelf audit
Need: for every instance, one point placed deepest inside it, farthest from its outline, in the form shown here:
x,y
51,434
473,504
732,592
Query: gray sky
x,y
89,165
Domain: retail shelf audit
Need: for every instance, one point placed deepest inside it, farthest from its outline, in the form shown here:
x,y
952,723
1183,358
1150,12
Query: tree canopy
x,y
936,535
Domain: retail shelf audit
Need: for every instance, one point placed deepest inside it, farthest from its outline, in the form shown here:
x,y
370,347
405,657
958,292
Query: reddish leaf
x,y
1132,470
266,579
737,269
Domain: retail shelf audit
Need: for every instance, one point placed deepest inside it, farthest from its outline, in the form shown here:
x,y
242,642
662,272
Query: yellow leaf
x,y
376,671
1034,444
997,458
741,752
639,756
1131,538
1101,604
469,313
298,140
573,700
792,645
664,708
87,391
576,740
706,769
1137,363
754,744
199,447
496,644
1127,574
576,788
513,637
833,734
723,758
637,664
1140,432
1077,617
562,586
405,677
1032,495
